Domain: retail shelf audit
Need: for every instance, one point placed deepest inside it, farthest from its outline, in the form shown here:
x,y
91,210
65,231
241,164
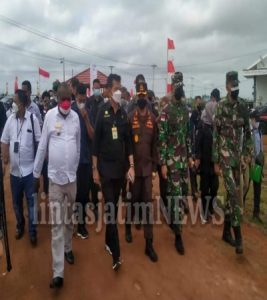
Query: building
x,y
84,77
258,72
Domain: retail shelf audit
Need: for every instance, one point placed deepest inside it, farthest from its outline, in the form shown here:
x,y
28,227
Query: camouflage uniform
x,y
175,149
230,130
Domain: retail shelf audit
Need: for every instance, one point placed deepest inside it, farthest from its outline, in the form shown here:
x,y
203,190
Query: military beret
x,y
232,77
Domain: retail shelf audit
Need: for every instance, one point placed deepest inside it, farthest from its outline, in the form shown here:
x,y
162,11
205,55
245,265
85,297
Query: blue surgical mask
x,y
97,92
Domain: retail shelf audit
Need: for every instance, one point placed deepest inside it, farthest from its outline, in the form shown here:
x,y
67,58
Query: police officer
x,y
111,143
175,155
144,136
232,149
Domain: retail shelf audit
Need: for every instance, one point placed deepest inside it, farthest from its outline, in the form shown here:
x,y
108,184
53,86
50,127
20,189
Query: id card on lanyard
x,y
114,132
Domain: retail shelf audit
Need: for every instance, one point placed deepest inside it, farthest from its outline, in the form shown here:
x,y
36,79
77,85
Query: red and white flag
x,y
44,73
170,44
16,85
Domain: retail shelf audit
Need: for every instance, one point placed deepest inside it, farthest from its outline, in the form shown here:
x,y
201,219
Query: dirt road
x,y
209,270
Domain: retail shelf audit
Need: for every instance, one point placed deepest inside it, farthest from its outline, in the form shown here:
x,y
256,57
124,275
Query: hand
x,y
96,177
36,184
131,174
247,159
190,162
84,113
154,174
164,172
217,170
197,163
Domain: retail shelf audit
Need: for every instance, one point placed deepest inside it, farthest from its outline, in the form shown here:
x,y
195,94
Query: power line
x,y
62,42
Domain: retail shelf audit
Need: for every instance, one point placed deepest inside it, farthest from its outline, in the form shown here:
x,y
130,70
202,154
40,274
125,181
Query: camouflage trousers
x,y
232,208
177,191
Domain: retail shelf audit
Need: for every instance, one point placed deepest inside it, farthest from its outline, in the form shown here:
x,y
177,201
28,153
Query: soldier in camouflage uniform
x,y
175,153
232,149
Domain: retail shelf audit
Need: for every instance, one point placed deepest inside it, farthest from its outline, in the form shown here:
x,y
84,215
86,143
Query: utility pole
x,y
62,61
111,69
153,76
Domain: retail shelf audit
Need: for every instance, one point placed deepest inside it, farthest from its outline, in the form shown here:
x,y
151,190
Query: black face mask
x,y
179,93
234,94
141,103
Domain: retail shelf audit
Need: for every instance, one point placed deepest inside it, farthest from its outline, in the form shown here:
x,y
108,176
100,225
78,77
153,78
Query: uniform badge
x,y
136,138
114,133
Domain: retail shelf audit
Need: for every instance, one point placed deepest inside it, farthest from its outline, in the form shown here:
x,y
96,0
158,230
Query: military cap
x,y
177,79
232,77
141,88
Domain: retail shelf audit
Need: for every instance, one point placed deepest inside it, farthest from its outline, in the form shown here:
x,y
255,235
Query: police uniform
x,y
144,137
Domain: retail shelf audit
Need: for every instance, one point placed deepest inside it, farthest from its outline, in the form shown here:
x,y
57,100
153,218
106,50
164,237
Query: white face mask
x,y
81,105
117,96
15,107
106,100
64,111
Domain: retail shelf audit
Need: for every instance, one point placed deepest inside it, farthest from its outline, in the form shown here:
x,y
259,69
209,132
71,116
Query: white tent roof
x,y
259,68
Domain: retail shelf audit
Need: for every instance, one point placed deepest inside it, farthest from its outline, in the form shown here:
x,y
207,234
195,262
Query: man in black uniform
x,y
111,143
93,104
84,172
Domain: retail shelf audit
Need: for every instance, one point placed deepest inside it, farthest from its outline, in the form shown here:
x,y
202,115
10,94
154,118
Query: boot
x,y
227,236
150,252
179,244
128,233
238,240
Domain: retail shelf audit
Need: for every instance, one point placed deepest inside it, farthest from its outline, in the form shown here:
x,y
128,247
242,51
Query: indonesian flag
x,y
44,73
170,44
16,86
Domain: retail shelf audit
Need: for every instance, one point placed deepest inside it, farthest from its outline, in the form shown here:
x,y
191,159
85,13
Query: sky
x,y
211,37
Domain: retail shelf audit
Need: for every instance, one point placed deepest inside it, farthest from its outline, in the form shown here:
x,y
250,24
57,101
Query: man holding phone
x,y
111,143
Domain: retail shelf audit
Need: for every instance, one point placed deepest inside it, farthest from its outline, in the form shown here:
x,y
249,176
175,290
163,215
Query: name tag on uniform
x,y
114,133
58,128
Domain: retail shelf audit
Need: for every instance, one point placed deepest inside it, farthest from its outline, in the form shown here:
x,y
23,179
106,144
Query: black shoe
x,y
227,236
69,257
238,240
56,283
150,252
116,264
33,240
128,234
82,232
19,234
179,244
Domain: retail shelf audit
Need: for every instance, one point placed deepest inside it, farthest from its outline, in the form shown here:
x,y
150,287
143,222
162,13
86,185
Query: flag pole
x,y
167,66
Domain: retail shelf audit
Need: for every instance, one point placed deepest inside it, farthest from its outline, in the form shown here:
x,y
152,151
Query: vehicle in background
x,y
7,101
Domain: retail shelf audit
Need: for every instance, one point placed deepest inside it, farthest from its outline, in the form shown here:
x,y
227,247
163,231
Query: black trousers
x,y
94,188
45,176
111,189
84,173
257,196
140,205
209,184
193,181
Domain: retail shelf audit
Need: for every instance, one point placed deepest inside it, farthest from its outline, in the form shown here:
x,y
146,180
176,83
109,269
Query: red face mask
x,y
65,104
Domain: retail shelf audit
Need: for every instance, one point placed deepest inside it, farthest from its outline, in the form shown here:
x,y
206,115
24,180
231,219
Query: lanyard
x,y
19,130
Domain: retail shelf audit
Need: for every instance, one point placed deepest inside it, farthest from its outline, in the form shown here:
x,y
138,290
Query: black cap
x,y
232,77
216,94
141,89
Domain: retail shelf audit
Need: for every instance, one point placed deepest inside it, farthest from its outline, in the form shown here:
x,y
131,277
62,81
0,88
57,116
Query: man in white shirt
x,y
31,106
18,147
61,138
